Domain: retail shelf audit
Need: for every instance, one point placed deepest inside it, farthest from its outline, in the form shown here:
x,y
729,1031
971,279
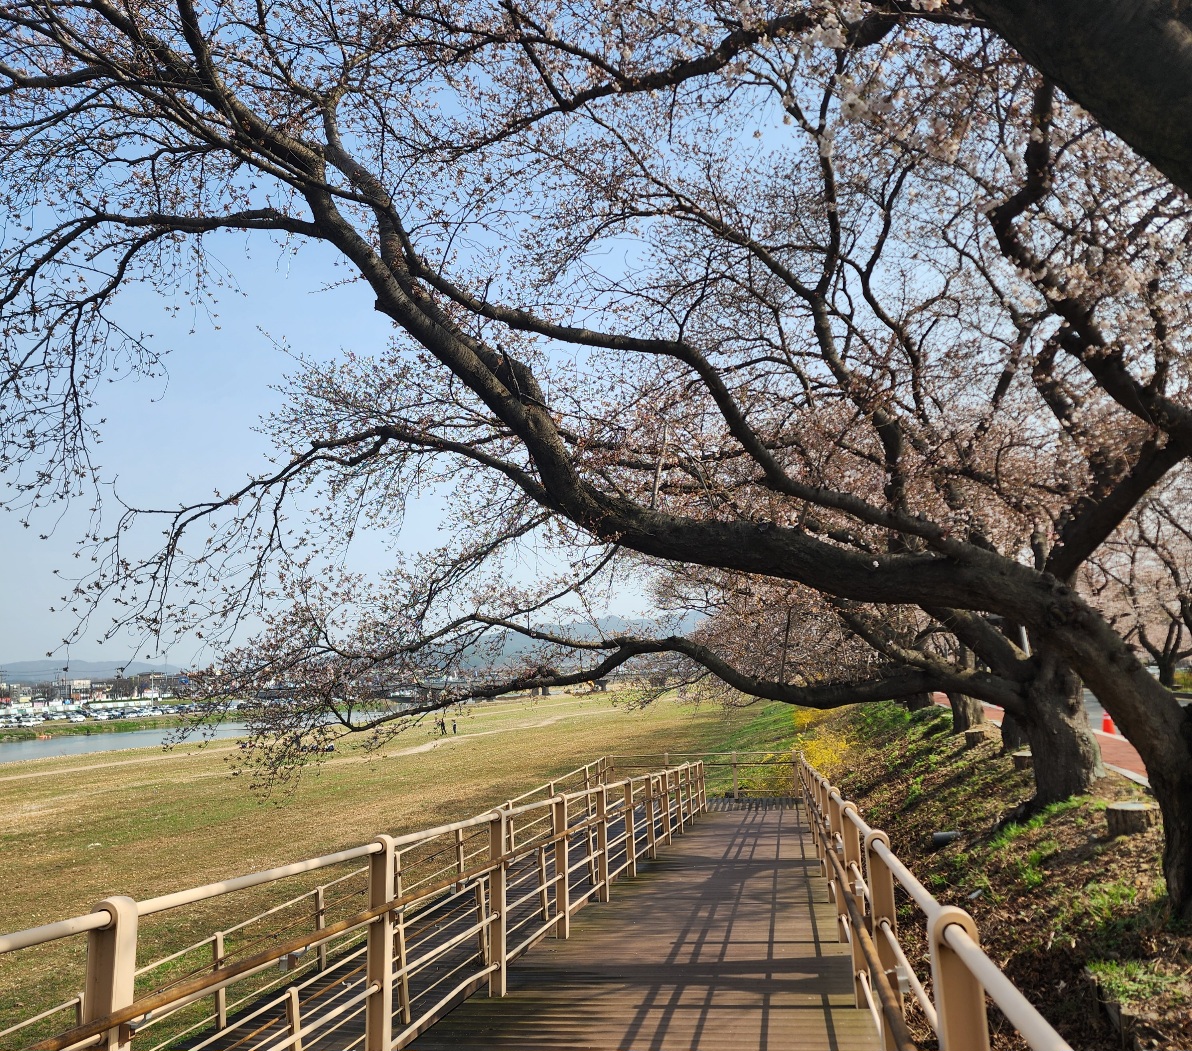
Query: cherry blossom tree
x,y
839,297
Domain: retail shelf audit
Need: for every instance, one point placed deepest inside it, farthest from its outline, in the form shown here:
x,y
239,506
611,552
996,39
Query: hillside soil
x,y
1078,920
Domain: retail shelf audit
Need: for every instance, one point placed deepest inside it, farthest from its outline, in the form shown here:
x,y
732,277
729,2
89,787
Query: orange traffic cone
x,y
1107,726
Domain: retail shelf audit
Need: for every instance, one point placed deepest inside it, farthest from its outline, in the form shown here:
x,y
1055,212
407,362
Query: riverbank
x,y
63,728
1071,914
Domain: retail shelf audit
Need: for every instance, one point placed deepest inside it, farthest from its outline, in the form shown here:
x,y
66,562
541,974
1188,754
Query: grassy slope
x,y
1050,898
77,829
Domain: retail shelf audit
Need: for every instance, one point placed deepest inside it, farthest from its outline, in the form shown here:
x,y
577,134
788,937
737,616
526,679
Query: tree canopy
x,y
841,307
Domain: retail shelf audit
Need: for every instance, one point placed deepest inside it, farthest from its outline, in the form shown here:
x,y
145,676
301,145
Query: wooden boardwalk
x,y
727,941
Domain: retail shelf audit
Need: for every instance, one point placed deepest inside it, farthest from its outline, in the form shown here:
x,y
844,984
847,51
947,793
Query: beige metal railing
x,y
862,872
428,918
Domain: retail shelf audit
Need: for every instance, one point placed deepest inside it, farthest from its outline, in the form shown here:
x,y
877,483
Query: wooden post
x,y
959,997
221,994
403,980
498,980
884,911
459,857
630,832
734,777
378,1011
320,923
562,875
111,968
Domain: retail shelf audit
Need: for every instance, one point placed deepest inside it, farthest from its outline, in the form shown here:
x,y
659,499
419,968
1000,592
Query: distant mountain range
x,y
49,669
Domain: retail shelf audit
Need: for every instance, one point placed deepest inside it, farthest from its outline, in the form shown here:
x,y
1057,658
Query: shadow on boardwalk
x,y
726,941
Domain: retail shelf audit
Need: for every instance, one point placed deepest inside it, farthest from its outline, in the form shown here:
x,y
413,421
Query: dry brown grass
x,y
78,829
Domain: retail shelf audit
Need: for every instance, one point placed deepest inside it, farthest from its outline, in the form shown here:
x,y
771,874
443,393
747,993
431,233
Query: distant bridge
x,y
729,922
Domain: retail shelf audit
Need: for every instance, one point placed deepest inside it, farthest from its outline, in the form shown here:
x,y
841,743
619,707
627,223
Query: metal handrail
x,y
663,802
962,973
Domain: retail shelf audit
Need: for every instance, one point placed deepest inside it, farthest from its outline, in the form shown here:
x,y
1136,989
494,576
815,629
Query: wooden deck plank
x,y
726,942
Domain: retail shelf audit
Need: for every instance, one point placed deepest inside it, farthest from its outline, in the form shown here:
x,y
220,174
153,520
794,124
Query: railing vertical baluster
x,y
735,793
320,923
651,818
294,1017
378,1012
111,968
602,887
959,997
543,895
589,832
403,978
666,809
881,891
498,923
221,994
562,873
482,931
630,831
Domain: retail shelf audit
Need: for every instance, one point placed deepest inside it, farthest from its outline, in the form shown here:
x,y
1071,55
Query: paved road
x,y
1116,751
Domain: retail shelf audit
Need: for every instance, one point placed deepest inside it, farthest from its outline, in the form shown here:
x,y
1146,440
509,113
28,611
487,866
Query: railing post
x,y
666,760
666,808
589,832
630,832
959,997
543,890
221,994
294,1017
459,858
403,979
498,922
684,809
320,923
852,856
651,817
734,777
703,787
881,892
378,1012
111,968
602,891
562,875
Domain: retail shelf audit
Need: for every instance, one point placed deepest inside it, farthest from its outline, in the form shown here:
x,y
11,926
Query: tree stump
x,y
1023,760
975,736
1128,819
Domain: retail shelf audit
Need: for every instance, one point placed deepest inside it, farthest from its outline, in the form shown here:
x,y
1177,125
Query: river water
x,y
83,744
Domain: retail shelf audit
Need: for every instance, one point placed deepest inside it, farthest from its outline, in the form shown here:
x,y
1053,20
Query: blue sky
x,y
176,440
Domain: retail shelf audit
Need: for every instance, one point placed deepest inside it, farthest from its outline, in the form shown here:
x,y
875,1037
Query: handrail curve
x,y
962,973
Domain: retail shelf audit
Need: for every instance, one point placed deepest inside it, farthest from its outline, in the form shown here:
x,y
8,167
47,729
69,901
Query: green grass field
x,y
76,830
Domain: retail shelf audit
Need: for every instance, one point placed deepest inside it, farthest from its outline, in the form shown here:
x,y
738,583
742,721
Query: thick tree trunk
x,y
1128,62
918,701
1173,792
967,712
1067,756
1013,736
